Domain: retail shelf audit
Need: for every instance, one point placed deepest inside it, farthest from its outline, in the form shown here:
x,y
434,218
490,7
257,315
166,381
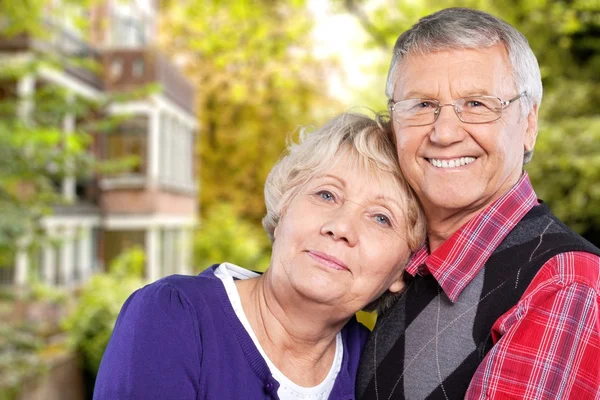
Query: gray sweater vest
x,y
426,347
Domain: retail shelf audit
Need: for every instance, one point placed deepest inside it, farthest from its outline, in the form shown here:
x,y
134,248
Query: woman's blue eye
x,y
382,219
325,195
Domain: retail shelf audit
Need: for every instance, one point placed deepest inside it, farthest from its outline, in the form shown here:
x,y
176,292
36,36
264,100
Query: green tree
x,y
223,236
36,152
257,83
91,323
564,35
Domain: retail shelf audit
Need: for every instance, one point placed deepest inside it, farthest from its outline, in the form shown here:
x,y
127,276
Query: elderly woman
x,y
343,223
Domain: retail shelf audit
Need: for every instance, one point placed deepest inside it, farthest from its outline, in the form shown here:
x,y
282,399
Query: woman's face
x,y
341,241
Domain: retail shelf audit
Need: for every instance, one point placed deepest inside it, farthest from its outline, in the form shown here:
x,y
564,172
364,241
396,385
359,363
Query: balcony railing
x,y
71,50
127,69
7,275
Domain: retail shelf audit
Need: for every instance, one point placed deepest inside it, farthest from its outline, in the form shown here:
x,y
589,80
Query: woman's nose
x,y
342,225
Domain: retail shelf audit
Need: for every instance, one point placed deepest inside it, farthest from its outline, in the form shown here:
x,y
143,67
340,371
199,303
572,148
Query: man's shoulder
x,y
573,267
547,234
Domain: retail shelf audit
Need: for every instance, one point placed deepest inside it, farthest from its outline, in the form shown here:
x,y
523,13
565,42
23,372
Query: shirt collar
x,y
458,260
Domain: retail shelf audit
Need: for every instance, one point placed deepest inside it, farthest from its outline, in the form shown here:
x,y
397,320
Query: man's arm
x,y
549,343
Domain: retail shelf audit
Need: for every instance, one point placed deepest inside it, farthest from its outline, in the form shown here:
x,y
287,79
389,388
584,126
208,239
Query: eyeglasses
x,y
471,110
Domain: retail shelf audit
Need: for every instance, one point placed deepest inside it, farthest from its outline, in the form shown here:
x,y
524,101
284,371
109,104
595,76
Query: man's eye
x,y
473,104
426,104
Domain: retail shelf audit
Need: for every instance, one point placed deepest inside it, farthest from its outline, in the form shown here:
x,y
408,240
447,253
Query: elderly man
x,y
503,301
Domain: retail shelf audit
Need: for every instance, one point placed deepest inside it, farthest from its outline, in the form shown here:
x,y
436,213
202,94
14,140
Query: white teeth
x,y
457,162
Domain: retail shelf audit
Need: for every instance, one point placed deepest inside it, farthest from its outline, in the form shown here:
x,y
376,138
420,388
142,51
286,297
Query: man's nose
x,y
447,128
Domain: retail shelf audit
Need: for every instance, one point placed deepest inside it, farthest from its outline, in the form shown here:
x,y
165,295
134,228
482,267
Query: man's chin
x,y
451,199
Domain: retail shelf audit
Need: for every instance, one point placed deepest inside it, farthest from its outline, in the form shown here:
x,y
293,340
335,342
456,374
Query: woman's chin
x,y
324,291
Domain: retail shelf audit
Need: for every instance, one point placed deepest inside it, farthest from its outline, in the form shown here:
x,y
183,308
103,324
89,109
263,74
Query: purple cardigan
x,y
179,338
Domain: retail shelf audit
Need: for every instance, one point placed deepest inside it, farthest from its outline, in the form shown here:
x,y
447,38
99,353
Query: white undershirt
x,y
288,390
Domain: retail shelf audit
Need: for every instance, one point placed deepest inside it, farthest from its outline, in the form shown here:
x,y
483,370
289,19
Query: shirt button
x,y
269,386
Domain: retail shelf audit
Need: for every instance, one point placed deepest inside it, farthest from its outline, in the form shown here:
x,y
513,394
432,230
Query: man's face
x,y
495,149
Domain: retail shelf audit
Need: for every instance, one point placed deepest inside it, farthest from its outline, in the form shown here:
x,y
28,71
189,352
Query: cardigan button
x,y
269,386
423,270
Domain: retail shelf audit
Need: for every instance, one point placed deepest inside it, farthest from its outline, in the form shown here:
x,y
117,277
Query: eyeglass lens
x,y
479,109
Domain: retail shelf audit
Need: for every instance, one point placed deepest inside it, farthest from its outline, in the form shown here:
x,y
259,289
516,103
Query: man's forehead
x,y
463,71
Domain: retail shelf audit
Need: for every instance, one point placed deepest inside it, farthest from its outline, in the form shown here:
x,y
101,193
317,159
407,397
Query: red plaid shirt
x,y
548,345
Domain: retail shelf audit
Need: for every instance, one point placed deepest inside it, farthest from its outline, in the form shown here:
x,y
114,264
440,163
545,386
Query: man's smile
x,y
451,163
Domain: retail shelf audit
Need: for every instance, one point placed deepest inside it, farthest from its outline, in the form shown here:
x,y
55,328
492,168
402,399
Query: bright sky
x,y
341,36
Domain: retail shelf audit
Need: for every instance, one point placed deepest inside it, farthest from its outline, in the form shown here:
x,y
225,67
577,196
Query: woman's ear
x,y
397,285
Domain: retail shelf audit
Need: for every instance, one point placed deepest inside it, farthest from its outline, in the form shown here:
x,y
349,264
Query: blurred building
x,y
152,205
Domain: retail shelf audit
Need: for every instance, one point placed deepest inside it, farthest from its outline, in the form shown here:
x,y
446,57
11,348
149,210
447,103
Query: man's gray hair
x,y
464,28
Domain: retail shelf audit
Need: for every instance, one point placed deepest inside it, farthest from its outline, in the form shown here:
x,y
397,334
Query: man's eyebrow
x,y
474,92
413,94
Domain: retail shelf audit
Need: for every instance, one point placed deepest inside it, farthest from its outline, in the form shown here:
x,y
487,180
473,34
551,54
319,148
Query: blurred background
x,y
136,135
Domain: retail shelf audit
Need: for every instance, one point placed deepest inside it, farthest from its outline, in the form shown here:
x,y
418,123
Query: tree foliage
x,y
223,236
91,324
27,17
36,152
35,155
565,38
257,82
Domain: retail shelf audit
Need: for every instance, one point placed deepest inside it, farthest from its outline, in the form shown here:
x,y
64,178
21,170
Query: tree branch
x,y
353,8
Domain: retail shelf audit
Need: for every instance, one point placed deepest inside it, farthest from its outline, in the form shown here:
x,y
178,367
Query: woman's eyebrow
x,y
334,177
388,199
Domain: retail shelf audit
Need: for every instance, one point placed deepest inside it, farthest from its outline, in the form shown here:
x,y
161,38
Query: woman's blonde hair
x,y
371,141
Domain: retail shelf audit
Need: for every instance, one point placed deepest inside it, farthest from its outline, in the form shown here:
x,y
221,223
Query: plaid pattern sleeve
x,y
558,317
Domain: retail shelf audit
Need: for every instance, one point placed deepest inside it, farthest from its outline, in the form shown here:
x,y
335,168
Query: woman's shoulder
x,y
156,350
355,334
185,283
173,294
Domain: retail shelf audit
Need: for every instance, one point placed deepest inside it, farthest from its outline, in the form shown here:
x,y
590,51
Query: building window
x,y
129,142
116,242
169,251
75,250
176,152
7,275
116,69
137,69
8,98
95,248
127,31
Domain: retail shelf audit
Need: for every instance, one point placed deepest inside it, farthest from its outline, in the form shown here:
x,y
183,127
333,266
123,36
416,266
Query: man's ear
x,y
532,129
